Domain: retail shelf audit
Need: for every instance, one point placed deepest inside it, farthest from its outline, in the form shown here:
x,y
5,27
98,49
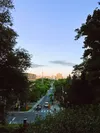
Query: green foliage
x,y
84,119
13,128
90,66
38,89
62,87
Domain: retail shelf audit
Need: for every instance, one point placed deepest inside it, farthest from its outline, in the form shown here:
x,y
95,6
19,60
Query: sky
x,y
46,28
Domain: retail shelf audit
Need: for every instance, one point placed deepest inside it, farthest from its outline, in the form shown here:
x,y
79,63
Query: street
x,y
18,117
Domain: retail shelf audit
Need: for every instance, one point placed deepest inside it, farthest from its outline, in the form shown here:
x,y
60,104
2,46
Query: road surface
x,y
18,117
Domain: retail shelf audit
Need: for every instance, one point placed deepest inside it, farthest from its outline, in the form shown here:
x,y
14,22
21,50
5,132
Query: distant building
x,y
38,77
59,76
31,76
48,77
54,77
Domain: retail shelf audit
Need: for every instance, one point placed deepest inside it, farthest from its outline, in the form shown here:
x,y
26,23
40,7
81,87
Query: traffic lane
x,y
50,91
18,118
43,114
45,99
9,118
12,115
31,116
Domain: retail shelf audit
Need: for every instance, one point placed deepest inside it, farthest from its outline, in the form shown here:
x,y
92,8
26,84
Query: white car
x,y
46,104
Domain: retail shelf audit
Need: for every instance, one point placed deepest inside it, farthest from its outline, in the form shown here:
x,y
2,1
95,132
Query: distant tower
x,y
42,77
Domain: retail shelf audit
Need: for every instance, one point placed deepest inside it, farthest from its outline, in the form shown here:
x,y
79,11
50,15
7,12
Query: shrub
x,y
84,119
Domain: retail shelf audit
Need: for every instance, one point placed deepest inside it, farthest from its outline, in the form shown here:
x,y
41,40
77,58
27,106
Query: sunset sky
x,y
46,30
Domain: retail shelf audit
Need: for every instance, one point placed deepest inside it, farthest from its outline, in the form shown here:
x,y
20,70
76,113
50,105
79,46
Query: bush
x,y
84,119
10,128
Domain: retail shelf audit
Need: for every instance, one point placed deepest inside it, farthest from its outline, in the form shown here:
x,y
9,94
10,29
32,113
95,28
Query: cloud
x,y
61,62
36,65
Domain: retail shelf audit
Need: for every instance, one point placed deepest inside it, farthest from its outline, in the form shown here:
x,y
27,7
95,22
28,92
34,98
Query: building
x,y
59,76
38,77
31,76
48,77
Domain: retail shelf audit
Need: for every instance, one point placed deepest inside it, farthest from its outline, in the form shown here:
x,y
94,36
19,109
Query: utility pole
x,y
42,77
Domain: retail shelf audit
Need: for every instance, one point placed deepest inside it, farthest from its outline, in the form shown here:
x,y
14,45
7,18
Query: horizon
x,y
46,30
48,75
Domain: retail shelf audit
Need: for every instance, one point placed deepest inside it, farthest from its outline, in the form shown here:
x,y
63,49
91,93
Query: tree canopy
x,y
85,83
13,61
90,30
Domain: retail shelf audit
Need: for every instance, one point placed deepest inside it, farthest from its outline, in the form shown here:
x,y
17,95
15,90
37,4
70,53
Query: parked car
x,y
46,105
39,107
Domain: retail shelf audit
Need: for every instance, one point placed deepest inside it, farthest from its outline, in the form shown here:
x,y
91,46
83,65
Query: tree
x,y
13,62
62,87
80,91
38,89
91,57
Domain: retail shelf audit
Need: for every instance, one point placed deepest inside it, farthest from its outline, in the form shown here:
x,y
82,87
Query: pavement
x,y
31,115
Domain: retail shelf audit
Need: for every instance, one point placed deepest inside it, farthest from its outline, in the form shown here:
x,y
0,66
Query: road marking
x,y
43,111
49,111
12,120
46,111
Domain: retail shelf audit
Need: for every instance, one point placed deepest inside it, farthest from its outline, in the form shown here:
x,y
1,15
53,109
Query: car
x,y
46,104
39,107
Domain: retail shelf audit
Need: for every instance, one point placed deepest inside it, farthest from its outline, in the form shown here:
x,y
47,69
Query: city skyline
x,y
32,76
48,73
46,30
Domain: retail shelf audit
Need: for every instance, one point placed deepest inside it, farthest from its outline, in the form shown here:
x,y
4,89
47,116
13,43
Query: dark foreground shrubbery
x,y
78,120
10,128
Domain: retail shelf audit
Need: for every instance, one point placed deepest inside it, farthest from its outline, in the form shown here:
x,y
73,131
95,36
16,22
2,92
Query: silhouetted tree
x,y
91,57
13,62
